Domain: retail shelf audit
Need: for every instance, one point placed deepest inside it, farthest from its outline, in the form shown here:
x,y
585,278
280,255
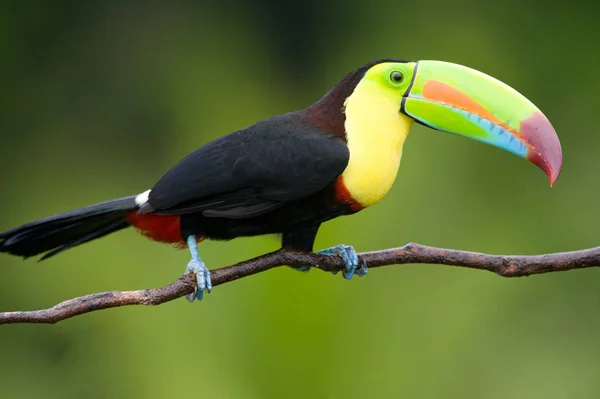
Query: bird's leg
x,y
197,267
301,239
350,257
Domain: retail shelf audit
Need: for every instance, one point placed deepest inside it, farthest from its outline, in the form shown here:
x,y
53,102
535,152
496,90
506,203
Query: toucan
x,y
290,173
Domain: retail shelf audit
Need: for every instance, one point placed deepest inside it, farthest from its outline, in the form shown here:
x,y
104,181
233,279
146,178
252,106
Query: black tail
x,y
60,232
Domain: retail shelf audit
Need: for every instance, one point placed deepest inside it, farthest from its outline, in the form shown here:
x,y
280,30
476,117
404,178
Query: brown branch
x,y
506,266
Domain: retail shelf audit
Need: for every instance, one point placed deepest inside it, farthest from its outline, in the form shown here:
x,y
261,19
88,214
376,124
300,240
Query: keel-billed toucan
x,y
290,173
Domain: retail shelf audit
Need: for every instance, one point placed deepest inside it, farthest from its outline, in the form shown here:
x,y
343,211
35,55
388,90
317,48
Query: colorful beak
x,y
456,99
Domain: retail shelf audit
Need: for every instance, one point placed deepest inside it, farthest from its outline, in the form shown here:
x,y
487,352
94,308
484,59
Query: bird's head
x,y
456,99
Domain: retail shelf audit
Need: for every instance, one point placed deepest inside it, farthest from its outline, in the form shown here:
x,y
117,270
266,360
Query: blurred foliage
x,y
98,99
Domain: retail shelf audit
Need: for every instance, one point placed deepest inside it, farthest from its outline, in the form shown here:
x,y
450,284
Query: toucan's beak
x,y
456,99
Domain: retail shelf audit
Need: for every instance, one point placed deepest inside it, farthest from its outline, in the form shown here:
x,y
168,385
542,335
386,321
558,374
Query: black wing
x,y
253,171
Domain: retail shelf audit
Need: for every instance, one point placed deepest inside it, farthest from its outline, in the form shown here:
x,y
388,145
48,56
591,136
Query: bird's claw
x,y
354,265
304,269
362,269
203,281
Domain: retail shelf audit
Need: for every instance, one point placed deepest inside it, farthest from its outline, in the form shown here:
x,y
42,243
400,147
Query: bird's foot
x,y
354,265
304,269
196,266
203,281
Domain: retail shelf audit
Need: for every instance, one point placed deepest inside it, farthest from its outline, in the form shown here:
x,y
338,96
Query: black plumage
x,y
276,176
58,233
276,160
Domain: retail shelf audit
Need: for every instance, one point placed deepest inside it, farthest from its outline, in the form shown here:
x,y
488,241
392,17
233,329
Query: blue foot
x,y
196,266
348,254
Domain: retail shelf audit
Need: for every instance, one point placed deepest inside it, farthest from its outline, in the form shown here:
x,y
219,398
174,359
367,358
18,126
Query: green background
x,y
98,99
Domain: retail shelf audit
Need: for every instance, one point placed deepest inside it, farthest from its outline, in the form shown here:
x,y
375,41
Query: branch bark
x,y
505,266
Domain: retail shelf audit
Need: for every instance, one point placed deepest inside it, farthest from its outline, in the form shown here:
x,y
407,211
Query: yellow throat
x,y
376,131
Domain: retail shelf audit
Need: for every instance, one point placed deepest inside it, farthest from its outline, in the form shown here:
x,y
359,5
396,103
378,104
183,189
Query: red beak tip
x,y
554,176
545,150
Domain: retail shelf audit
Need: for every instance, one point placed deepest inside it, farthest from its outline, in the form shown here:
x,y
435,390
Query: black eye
x,y
396,77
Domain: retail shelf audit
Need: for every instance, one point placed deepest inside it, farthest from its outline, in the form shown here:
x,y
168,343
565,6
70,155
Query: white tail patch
x,y
142,199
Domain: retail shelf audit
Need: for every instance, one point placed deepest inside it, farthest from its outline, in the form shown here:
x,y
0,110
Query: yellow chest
x,y
376,131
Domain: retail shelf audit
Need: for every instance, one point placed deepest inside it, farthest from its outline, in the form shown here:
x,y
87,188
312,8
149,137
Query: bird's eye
x,y
396,77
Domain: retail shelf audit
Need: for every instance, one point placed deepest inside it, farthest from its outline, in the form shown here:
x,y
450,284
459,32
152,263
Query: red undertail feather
x,y
161,228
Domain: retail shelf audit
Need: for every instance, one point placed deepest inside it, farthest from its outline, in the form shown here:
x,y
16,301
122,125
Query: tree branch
x,y
506,266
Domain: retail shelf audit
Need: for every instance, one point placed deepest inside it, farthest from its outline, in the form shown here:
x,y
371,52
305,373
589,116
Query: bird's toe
x,y
203,280
353,265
